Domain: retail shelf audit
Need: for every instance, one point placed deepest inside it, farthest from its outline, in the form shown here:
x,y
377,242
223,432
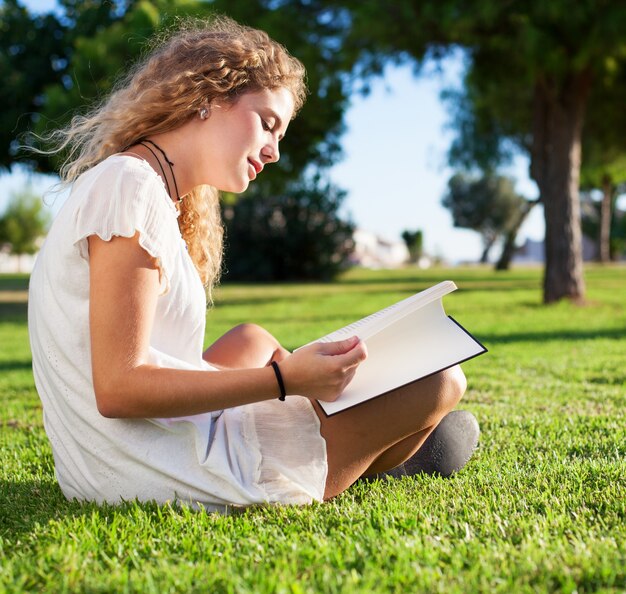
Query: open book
x,y
407,341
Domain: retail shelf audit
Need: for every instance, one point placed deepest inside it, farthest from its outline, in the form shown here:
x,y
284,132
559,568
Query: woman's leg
x,y
244,347
370,438
382,433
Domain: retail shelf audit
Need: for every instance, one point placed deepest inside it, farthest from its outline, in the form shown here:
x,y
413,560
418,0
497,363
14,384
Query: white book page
x,y
367,327
418,345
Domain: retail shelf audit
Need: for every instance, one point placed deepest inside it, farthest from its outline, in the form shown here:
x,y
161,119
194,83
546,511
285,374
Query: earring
x,y
204,113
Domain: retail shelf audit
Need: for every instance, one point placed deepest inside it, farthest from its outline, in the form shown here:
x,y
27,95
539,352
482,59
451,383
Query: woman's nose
x,y
271,152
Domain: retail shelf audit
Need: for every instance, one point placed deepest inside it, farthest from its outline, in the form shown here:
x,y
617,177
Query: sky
x,y
394,167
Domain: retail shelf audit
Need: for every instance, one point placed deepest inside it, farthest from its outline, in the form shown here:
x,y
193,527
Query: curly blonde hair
x,y
199,63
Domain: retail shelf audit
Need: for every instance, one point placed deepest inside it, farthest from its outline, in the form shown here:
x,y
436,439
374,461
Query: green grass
x,y
540,507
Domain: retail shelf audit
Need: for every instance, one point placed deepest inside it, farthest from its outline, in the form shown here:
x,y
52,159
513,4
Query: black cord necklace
x,y
170,165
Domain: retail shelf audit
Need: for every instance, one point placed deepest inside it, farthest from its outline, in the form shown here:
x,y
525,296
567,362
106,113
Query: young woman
x,y
132,406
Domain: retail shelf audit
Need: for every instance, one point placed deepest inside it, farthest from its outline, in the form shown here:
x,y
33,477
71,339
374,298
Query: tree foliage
x,y
593,221
97,59
532,65
490,126
604,158
35,54
488,205
31,57
23,223
101,40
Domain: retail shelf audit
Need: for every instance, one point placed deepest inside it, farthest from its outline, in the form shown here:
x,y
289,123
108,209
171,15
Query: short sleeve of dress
x,y
120,197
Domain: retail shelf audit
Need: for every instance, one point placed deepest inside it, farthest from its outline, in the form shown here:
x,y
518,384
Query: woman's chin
x,y
238,188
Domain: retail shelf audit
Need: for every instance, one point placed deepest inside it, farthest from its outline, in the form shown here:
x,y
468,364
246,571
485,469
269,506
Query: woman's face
x,y
239,139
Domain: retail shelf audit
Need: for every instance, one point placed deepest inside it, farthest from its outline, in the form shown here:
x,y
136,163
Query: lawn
x,y
541,506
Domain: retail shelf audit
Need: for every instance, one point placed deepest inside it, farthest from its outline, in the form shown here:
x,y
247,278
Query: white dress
x,y
267,452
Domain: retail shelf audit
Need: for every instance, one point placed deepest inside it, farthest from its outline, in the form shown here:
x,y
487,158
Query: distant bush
x,y
296,234
23,223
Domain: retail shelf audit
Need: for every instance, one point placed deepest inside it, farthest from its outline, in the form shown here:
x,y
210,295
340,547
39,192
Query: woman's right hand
x,y
322,370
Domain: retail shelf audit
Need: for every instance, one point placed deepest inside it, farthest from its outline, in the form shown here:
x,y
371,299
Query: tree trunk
x,y
504,262
555,165
605,220
487,245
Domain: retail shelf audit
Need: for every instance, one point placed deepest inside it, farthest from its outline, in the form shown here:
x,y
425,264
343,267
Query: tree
x,y
23,223
296,234
490,206
31,55
96,59
594,220
486,139
604,154
609,180
414,241
618,231
510,235
35,53
539,60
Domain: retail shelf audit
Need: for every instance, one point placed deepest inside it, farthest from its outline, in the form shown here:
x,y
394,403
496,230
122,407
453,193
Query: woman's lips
x,y
258,167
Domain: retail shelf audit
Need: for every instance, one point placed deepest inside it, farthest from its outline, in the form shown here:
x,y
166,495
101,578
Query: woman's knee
x,y
245,345
444,390
453,386
257,339
249,332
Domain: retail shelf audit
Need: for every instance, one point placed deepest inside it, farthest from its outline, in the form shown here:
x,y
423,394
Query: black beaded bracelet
x,y
279,379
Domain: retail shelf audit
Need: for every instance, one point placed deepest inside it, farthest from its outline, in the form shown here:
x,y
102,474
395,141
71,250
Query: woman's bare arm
x,y
124,286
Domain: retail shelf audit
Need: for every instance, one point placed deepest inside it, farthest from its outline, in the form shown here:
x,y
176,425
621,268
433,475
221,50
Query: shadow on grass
x,y
388,294
426,280
340,319
290,298
27,503
250,301
14,282
561,335
15,365
30,503
608,381
14,311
